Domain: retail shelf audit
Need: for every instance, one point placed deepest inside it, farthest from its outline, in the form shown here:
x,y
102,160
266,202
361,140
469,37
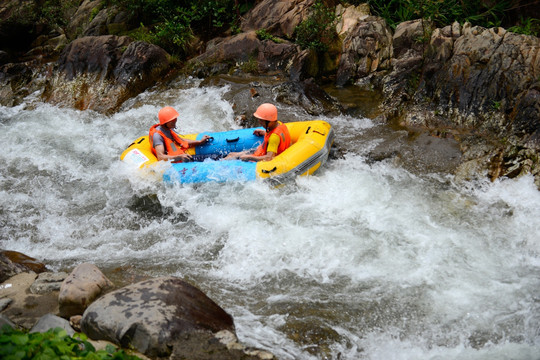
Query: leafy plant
x,y
319,30
527,26
263,34
53,344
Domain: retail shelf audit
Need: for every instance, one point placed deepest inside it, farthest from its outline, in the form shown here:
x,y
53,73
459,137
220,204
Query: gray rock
x,y
48,282
152,315
50,321
4,302
4,321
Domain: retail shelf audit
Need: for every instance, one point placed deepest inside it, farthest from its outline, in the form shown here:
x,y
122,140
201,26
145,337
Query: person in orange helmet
x,y
168,145
276,136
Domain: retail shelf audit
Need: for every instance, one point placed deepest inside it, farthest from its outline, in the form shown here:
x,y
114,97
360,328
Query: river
x,y
361,261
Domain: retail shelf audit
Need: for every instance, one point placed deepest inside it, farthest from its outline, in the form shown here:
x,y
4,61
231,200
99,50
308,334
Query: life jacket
x,y
177,146
285,140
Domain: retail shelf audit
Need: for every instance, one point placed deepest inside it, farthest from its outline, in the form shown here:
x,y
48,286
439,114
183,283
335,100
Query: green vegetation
x,y
55,12
318,31
263,34
444,12
527,26
496,105
53,344
172,24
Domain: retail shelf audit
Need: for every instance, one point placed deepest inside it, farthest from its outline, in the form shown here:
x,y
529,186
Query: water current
x,y
361,261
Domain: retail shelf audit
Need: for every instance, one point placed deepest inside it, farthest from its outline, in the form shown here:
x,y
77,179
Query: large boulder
x,y
101,72
85,284
153,316
244,52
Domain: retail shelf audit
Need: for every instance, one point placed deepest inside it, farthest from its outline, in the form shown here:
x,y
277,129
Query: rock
x,y
50,321
25,309
81,18
101,72
13,262
349,16
278,17
220,346
75,322
4,303
96,55
108,21
244,52
308,95
85,283
4,321
483,83
366,49
152,315
48,282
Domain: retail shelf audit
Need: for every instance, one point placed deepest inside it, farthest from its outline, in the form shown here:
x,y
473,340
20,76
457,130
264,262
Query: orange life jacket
x,y
178,146
285,140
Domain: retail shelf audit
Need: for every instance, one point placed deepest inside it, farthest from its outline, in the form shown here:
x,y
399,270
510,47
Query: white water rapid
x,y
360,261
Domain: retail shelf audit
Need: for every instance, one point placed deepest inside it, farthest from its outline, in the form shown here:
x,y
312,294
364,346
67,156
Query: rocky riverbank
x,y
158,318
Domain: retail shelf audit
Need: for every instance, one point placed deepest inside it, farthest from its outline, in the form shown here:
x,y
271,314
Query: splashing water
x,y
358,262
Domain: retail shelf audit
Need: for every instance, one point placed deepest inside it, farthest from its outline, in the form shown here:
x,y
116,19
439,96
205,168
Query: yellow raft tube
x,y
311,142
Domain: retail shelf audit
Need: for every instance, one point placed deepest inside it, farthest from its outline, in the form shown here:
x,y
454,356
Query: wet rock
x,y
307,94
154,316
220,346
483,82
85,284
13,262
101,72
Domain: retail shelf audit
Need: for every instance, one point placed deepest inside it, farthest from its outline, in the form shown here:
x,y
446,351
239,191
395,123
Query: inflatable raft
x,y
310,146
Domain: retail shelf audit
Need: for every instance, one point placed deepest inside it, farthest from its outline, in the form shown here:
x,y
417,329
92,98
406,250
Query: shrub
x,y
319,30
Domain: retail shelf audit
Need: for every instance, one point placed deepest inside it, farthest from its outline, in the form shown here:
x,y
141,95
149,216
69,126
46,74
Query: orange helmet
x,y
167,114
266,112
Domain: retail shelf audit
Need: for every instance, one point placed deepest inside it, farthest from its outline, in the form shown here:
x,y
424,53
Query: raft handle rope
x,y
309,128
136,142
233,140
269,171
